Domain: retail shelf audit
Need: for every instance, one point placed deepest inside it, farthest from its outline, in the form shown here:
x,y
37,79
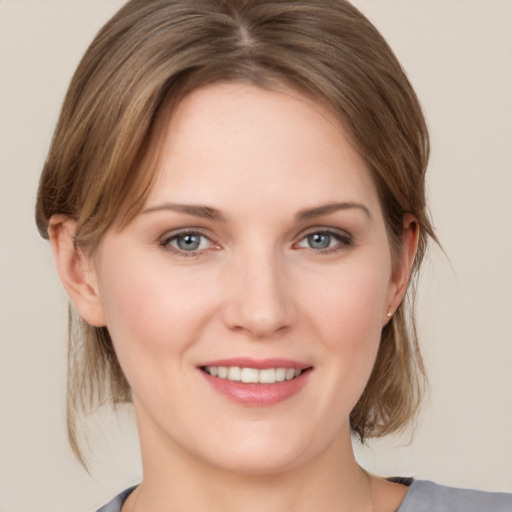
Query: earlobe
x,y
402,269
76,270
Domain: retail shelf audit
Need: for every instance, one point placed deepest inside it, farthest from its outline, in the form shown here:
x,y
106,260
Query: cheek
x,y
151,313
354,301
349,316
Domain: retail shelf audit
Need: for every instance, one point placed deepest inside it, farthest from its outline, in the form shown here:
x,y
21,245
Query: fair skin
x,y
262,245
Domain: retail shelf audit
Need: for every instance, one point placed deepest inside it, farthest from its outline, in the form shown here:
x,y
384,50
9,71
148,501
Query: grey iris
x,y
319,240
189,242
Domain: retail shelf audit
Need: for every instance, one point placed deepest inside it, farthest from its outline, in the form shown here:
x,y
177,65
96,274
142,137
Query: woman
x,y
235,200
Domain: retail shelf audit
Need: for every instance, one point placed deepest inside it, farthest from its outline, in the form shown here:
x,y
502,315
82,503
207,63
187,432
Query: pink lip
x,y
260,364
258,395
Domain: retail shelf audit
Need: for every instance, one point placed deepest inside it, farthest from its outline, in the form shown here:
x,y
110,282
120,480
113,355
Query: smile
x,y
256,382
253,375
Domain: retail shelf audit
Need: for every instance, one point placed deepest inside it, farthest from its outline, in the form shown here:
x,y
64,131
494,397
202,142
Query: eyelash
x,y
166,243
343,239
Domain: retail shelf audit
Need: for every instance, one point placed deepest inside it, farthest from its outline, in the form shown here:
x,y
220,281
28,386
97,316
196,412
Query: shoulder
x,y
116,504
425,496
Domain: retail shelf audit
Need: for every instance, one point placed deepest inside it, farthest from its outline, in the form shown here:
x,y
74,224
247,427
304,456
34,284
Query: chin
x,y
261,452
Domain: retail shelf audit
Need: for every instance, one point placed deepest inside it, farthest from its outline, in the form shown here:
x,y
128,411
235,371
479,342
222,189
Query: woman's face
x,y
261,254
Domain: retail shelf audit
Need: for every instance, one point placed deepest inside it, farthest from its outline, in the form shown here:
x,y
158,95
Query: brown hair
x,y
147,57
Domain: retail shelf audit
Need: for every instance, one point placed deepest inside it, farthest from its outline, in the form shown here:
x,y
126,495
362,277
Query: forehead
x,y
237,137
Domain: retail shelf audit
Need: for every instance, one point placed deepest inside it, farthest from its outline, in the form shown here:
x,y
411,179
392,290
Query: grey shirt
x,y
423,496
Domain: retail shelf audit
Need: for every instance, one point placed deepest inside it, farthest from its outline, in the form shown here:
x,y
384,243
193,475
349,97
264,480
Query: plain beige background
x,y
458,54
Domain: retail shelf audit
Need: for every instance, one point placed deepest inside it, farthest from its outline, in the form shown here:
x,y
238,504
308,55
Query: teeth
x,y
280,374
267,376
234,373
249,375
253,375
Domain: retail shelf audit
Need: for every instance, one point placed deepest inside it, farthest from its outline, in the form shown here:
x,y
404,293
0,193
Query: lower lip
x,y
258,395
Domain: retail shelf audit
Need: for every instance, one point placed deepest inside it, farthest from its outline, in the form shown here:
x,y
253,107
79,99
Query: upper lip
x,y
259,364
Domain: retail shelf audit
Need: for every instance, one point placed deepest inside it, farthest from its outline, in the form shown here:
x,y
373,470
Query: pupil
x,y
188,242
319,241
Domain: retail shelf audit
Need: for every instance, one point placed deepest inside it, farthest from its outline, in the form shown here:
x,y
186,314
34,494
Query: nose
x,y
259,296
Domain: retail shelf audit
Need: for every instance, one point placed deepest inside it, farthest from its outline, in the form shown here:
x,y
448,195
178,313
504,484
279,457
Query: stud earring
x,y
390,314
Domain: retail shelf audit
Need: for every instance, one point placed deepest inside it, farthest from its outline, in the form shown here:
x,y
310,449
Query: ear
x,y
76,270
402,268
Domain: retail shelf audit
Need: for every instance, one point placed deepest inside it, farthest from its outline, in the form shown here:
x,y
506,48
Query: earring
x,y
390,314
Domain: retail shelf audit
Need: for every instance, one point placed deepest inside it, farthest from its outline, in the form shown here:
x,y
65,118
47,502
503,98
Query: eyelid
x,y
337,232
344,238
165,241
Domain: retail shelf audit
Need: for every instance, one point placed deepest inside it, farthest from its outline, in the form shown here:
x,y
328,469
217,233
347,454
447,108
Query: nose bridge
x,y
260,301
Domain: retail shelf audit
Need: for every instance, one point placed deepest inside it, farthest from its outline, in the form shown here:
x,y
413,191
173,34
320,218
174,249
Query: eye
x,y
326,241
187,242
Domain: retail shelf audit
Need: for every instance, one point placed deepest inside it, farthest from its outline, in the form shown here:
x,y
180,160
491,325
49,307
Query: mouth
x,y
257,383
249,375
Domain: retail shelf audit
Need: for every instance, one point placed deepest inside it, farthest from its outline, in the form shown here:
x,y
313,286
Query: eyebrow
x,y
326,209
204,212
207,212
